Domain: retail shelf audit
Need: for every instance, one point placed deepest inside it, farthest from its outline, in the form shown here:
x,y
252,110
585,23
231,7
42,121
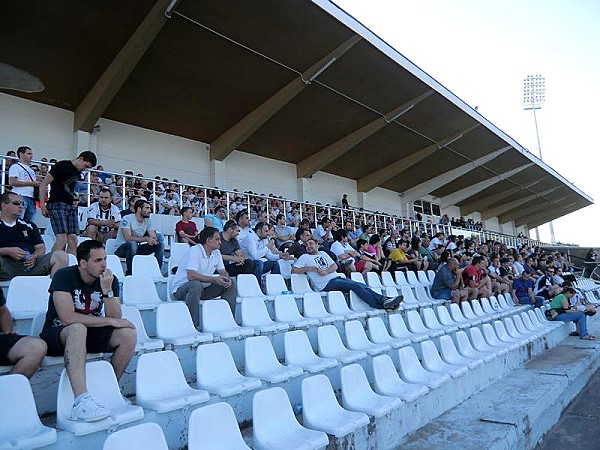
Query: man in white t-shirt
x,y
23,180
321,270
195,278
103,218
346,255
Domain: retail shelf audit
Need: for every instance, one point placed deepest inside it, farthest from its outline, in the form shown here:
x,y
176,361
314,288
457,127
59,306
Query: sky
x,y
482,51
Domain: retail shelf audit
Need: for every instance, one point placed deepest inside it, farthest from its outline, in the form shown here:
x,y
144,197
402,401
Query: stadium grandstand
x,y
294,113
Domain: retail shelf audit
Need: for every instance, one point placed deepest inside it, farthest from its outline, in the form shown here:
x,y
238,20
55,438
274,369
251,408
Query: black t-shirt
x,y
228,248
22,234
62,188
87,298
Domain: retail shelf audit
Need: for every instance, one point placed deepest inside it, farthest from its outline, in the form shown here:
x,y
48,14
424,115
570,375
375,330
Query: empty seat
x,y
432,322
424,298
254,314
216,371
247,286
478,310
487,307
21,426
113,262
378,333
400,278
480,343
174,325
450,355
357,394
144,343
27,296
145,436
470,314
388,382
160,383
423,279
358,277
102,384
464,347
300,284
261,361
356,339
504,336
491,338
374,281
415,324
459,318
140,291
286,311
331,346
214,427
387,280
411,278
445,319
338,306
513,331
275,284
398,330
321,410
298,352
412,371
433,362
218,320
147,265
431,275
410,301
313,307
275,427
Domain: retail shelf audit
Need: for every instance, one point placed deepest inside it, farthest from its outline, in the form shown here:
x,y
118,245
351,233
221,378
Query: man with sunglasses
x,y
22,250
546,286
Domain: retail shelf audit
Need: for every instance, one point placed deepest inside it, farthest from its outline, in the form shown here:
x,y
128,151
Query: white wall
x,y
383,200
328,189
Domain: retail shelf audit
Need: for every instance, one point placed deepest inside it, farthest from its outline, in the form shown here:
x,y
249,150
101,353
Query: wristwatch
x,y
109,294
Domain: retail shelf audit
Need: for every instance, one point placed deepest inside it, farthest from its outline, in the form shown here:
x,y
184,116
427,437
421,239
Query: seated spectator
x,y
475,277
366,232
137,236
255,248
24,353
345,254
522,291
22,250
216,220
75,325
375,250
321,270
500,284
447,284
401,258
366,261
323,233
195,279
545,285
167,202
421,263
131,209
391,242
185,229
427,254
103,218
243,220
353,235
298,248
284,237
438,239
274,254
560,309
233,257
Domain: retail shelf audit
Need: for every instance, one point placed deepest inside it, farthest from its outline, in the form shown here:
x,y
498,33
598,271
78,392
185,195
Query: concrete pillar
x,y
303,189
362,199
217,174
81,142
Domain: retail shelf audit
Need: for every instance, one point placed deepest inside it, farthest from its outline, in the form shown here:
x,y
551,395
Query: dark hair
x,y
240,214
133,198
360,243
206,233
184,209
84,249
22,150
338,235
299,232
569,290
219,208
229,224
88,156
374,239
476,260
279,216
139,204
259,226
105,190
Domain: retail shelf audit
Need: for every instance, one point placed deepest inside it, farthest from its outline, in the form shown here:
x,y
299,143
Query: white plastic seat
x,y
71,259
160,383
410,301
357,394
358,277
431,321
415,324
102,384
274,425
216,371
357,339
321,410
479,312
444,317
254,314
411,279
300,284
458,316
110,245
431,275
144,343
298,352
261,362
147,265
464,347
450,355
358,304
175,327
470,314
543,320
411,370
545,324
140,291
286,311
113,262
214,427
373,280
145,436
490,336
378,333
285,268
247,286
387,280
330,345
400,278
275,284
486,305
177,252
503,335
534,326
423,279
313,307
388,382
218,320
398,330
21,426
481,344
424,298
338,306
433,362
27,296
506,306
512,330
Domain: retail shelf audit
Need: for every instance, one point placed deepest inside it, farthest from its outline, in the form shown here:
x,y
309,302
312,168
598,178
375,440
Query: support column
x,y
81,142
217,174
303,189
362,199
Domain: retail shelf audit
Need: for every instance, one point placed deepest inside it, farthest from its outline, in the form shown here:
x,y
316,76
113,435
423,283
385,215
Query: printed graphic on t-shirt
x,y
321,262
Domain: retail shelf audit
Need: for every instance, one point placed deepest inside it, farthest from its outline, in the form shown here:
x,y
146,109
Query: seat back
x,y
411,278
414,323
139,289
430,319
431,275
408,295
358,277
132,314
214,427
214,364
146,265
300,283
468,311
177,252
421,294
217,316
286,309
147,436
110,245
387,279
173,320
297,348
259,356
247,286
398,327
422,278
313,305
71,259
400,278
157,375
329,342
275,284
377,331
477,309
254,312
113,262
385,376
318,399
285,268
28,293
356,337
337,303
374,281
456,313
444,316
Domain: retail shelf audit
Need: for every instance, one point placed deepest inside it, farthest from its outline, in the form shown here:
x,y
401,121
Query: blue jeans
x,y
370,297
442,294
129,249
578,317
261,267
539,300
28,212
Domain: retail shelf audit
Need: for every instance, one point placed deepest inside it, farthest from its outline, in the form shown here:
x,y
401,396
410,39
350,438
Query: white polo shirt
x,y
197,260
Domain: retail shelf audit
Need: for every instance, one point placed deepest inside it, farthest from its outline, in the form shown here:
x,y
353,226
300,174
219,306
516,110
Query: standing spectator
x,y
522,291
195,278
345,201
103,218
216,220
233,256
62,204
75,325
24,181
137,236
185,229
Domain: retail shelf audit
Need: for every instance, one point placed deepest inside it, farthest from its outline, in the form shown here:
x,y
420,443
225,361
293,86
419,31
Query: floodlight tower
x,y
534,93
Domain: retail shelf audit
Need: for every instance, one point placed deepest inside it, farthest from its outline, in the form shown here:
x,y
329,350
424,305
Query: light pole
x,y
534,93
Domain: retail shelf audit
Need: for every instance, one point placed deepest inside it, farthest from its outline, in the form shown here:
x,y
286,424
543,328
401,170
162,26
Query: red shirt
x,y
188,228
471,273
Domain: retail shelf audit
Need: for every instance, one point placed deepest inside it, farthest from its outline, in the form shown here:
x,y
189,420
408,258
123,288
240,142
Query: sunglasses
x,y
18,203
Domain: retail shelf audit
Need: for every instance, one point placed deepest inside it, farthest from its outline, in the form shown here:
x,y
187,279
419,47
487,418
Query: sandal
x,y
589,337
573,333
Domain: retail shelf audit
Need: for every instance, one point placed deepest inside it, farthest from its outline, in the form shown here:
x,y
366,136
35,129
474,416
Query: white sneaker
x,y
89,410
